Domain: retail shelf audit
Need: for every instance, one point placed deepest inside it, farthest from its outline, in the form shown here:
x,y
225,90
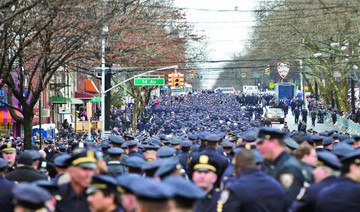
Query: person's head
x,y
244,159
306,154
327,165
270,143
29,198
102,194
351,166
204,174
82,167
8,152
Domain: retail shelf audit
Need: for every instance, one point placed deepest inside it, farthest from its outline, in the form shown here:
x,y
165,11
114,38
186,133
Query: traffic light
x,y
267,71
171,80
178,79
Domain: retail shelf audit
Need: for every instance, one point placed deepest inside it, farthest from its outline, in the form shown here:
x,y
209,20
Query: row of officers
x,y
268,171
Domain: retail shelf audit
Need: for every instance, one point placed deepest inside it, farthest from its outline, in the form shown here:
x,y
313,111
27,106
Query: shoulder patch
x,y
286,179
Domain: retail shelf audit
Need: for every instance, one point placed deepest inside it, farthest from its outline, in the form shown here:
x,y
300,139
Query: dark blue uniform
x,y
5,194
252,191
307,203
70,201
296,114
342,196
115,168
287,170
209,202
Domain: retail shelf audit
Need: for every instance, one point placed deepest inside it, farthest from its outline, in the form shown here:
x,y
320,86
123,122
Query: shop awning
x,y
5,116
59,100
90,87
84,95
76,101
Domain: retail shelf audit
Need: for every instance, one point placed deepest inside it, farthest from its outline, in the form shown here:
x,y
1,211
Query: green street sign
x,y
96,99
149,81
256,75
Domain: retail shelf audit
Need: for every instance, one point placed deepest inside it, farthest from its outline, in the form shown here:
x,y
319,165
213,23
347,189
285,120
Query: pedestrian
x,y
306,155
313,117
304,114
303,126
296,114
334,116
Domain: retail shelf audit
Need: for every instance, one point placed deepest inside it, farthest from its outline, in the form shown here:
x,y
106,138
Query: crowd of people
x,y
200,152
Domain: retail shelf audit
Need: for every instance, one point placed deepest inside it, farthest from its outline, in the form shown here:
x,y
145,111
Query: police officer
x,y
280,164
26,170
304,113
73,197
325,174
8,152
186,193
30,197
134,149
296,114
342,195
5,188
211,151
102,194
204,176
115,165
252,190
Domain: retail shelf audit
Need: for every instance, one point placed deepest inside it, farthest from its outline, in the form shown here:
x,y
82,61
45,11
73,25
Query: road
x,y
319,127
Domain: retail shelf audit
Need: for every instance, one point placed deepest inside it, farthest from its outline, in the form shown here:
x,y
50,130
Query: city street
x,y
319,127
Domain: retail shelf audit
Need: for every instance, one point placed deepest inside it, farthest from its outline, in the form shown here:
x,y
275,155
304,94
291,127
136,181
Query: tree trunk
x,y
28,129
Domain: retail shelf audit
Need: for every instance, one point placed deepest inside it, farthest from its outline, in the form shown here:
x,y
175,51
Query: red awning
x,y
84,95
90,87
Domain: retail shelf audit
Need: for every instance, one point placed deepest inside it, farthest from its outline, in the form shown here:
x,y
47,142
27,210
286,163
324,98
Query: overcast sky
x,y
226,32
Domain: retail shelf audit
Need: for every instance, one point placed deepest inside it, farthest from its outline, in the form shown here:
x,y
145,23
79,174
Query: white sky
x,y
224,38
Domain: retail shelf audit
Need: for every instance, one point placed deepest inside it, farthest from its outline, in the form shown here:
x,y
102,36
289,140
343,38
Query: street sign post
x,y
96,99
149,81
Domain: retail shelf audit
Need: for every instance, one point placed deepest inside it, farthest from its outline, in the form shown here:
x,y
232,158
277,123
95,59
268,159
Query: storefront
x,y
8,125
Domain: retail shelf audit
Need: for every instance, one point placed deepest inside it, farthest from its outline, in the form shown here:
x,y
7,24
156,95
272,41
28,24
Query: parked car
x,y
275,114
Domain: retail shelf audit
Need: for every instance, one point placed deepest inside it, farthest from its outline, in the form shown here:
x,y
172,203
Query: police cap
x,y
342,149
186,143
356,137
84,158
8,148
150,189
116,139
135,162
212,138
353,157
269,133
101,182
205,163
175,140
184,188
3,163
115,151
291,143
132,144
249,136
30,196
25,158
299,136
327,141
349,141
60,161
166,152
329,159
168,167
151,147
125,181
